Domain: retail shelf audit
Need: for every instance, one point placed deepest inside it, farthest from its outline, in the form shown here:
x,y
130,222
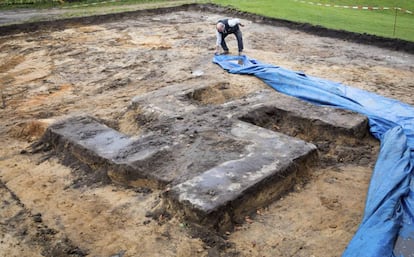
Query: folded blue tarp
x,y
389,209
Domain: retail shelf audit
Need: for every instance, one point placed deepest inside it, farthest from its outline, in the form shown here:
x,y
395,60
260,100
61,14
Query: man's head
x,y
220,27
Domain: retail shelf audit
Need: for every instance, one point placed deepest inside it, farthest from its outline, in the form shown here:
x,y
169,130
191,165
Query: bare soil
x,y
97,66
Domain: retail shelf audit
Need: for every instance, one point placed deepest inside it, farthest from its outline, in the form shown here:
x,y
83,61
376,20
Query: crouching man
x,y
224,28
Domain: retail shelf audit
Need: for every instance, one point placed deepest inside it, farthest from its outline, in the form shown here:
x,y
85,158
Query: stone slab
x,y
276,111
225,194
266,108
124,159
221,162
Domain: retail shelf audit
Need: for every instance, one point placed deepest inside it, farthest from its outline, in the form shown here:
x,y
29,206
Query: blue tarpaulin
x,y
389,208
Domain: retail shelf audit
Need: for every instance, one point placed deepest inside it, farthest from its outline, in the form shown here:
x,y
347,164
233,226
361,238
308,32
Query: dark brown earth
x,y
97,65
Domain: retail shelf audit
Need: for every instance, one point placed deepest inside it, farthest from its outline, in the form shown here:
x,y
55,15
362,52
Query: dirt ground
x,y
97,69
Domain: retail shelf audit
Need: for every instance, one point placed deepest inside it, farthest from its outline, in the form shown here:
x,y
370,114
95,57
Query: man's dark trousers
x,y
239,38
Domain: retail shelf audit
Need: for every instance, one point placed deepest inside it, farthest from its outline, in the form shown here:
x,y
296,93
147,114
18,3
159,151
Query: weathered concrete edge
x,y
224,218
315,126
223,214
118,172
383,42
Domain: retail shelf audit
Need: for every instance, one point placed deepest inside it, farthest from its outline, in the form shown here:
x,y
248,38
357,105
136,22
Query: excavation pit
x,y
94,66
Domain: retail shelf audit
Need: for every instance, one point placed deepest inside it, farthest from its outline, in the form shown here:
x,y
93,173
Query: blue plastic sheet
x,y
389,208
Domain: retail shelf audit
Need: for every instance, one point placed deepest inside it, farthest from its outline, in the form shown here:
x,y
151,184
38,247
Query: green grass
x,y
385,23
380,22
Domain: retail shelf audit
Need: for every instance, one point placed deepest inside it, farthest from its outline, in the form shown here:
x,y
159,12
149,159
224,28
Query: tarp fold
x,y
389,209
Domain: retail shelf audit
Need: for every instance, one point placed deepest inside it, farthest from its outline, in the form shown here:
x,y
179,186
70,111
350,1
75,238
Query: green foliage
x,y
387,23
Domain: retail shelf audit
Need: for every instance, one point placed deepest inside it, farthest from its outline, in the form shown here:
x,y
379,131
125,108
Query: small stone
x,y
37,217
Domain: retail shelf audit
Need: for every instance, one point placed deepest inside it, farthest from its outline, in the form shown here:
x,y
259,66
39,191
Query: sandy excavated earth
x,y
96,68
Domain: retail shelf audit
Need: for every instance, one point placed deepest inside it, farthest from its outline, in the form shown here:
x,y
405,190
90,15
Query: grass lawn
x,y
387,23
